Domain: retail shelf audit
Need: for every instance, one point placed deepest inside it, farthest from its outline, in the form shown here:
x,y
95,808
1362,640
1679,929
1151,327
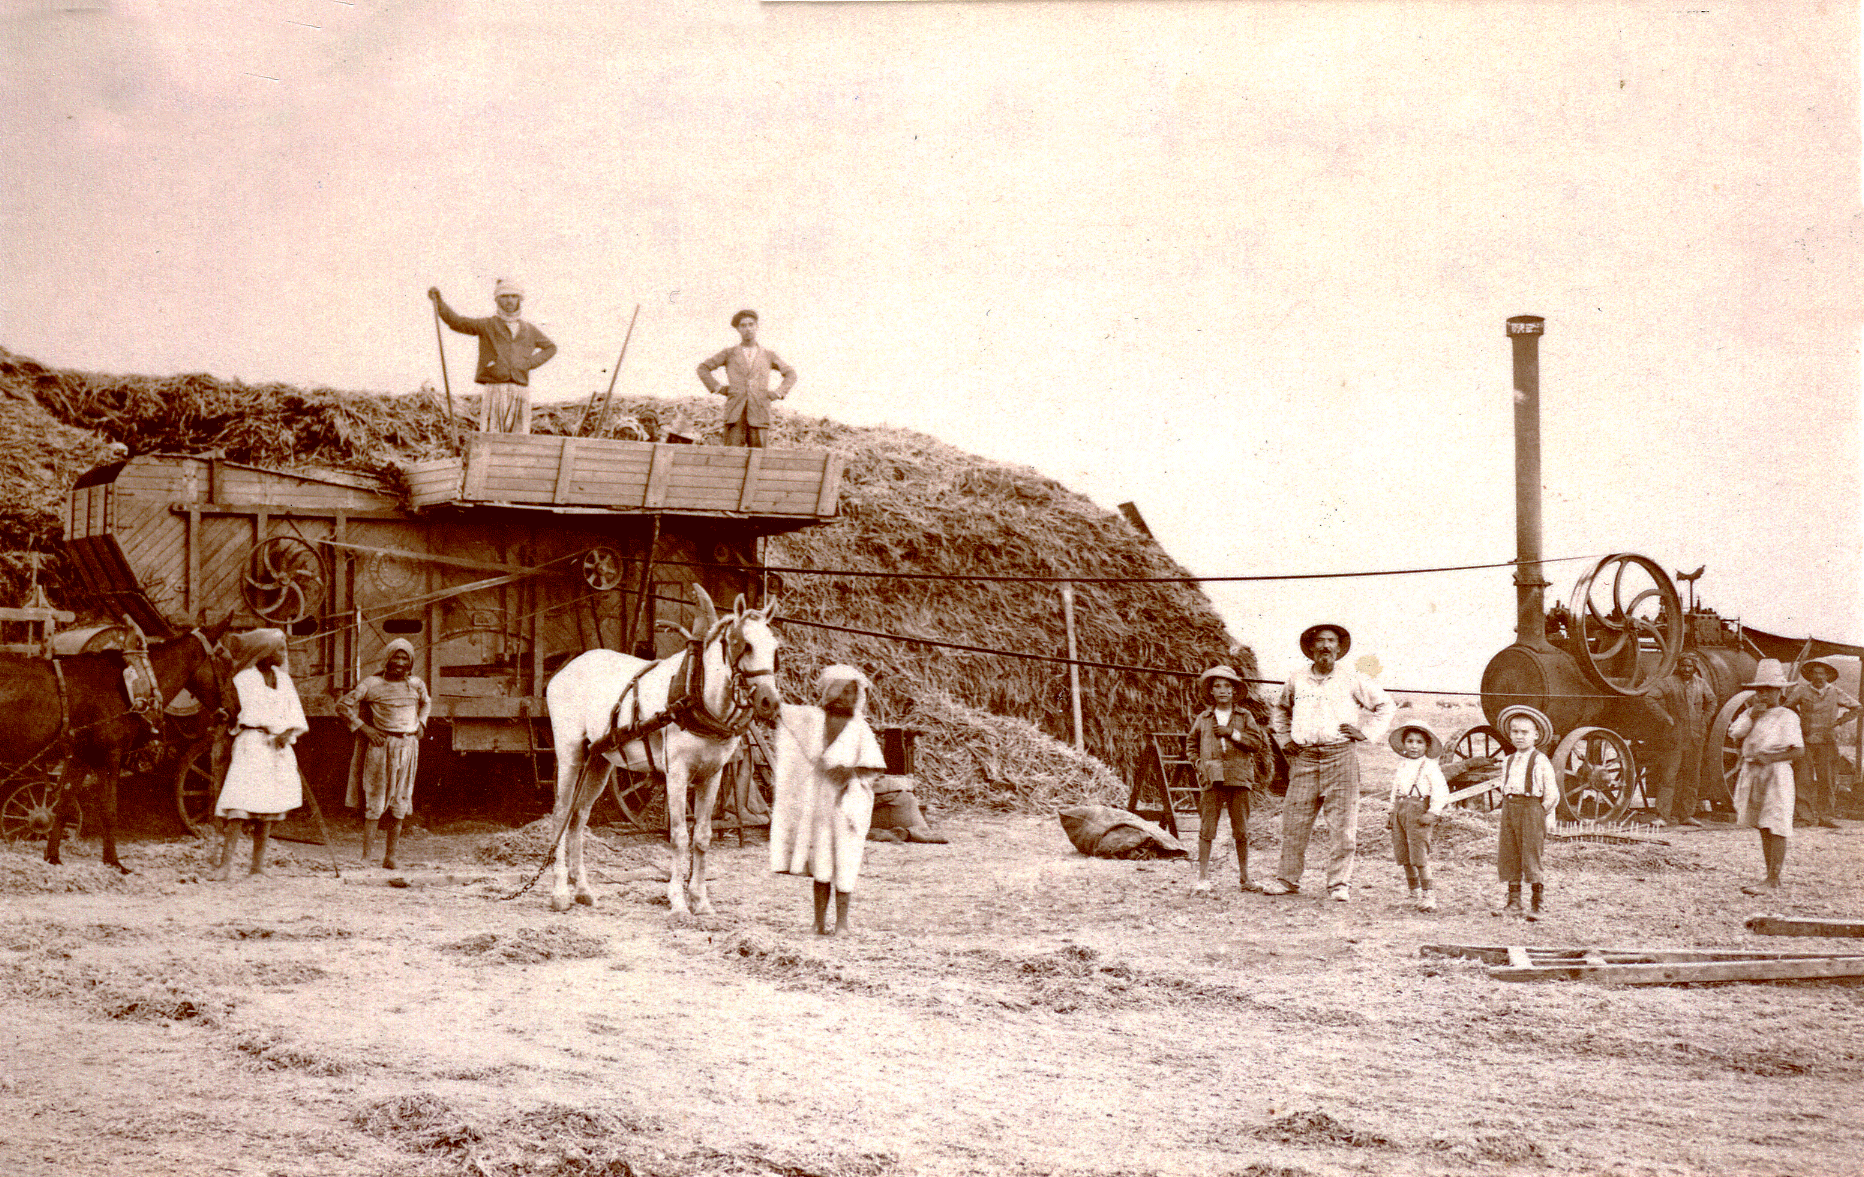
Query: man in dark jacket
x,y
1689,702
509,348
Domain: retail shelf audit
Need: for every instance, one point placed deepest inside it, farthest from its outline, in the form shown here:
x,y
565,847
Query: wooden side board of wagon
x,y
798,485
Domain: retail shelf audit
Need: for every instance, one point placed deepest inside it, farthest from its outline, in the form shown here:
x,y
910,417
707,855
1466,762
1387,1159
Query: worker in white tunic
x,y
262,783
827,762
1770,741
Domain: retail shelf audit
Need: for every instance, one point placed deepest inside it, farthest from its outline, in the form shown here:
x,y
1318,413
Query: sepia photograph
x,y
877,588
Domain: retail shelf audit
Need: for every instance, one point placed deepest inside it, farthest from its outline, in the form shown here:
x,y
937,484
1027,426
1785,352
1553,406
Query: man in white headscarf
x,y
509,347
827,762
388,712
262,783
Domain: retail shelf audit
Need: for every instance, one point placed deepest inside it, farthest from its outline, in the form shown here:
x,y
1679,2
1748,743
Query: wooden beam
x,y
658,475
206,509
829,496
1779,925
752,465
566,470
1688,972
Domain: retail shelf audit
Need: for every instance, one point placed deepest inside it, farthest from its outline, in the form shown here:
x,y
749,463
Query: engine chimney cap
x,y
1527,325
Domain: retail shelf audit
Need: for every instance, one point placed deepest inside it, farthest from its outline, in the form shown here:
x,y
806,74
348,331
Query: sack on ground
x,y
1105,832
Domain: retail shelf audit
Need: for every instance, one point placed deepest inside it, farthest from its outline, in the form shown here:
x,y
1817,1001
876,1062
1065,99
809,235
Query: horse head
x,y
751,651
210,679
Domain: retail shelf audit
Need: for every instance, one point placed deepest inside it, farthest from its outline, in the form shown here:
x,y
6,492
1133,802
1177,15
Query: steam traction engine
x,y
1592,667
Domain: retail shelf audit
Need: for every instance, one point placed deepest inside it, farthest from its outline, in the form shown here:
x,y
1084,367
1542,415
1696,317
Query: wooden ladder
x,y
1176,779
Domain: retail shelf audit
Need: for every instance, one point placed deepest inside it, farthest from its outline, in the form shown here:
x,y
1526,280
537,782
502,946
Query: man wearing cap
x,y
747,382
1770,741
388,712
1686,698
1317,721
509,347
1823,707
1232,755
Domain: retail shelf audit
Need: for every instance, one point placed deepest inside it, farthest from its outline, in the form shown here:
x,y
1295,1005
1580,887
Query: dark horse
x,y
90,712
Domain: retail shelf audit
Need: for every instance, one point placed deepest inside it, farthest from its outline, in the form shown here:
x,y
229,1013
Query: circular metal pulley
x,y
602,568
1627,624
284,580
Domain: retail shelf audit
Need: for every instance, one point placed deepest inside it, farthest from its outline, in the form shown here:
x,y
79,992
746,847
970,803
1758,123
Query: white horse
x,y
689,714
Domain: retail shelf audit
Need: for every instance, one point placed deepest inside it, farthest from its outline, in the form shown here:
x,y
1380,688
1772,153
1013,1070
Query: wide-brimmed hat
x,y
1308,634
1226,673
1542,725
1769,673
1826,664
1433,747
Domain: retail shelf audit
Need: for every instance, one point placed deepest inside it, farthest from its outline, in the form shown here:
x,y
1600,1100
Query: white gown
x,y
262,780
818,823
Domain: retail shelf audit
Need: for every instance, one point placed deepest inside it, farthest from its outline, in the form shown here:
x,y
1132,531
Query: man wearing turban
x,y
827,761
388,712
509,347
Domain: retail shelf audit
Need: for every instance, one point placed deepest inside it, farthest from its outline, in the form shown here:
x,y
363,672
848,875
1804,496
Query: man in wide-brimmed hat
x,y
1233,758
1770,740
1318,722
509,347
1823,707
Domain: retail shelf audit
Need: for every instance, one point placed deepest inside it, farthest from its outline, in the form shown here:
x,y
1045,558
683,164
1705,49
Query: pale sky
x,y
1246,264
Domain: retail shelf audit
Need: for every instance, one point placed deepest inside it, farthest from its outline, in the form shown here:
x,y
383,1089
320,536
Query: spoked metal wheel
x,y
1480,740
1597,773
1721,756
1629,624
26,814
197,787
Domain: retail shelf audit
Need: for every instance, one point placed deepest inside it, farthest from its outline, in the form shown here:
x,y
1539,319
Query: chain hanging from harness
x,y
686,700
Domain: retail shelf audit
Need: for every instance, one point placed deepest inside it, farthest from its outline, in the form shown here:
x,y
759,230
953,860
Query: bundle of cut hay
x,y
909,504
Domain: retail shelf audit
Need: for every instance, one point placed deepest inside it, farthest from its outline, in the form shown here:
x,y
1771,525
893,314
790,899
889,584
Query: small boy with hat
x,y
1530,792
1231,751
1419,796
1770,740
1823,707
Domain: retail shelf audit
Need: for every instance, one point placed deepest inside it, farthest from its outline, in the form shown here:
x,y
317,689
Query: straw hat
x,y
1769,673
1308,634
1433,747
1543,726
1223,672
1827,664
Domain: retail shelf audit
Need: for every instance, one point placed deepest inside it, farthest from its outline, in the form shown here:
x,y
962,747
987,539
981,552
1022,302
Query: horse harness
x,y
686,703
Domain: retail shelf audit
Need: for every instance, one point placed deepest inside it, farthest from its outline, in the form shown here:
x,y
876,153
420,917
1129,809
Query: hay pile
x,y
909,503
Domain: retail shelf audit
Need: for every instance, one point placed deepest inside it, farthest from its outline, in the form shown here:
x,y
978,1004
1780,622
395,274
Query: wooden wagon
x,y
498,565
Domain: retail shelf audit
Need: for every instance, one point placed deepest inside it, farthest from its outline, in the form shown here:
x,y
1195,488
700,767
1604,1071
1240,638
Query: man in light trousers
x,y
1318,724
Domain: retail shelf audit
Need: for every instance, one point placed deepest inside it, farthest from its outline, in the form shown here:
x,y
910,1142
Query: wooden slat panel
x,y
502,486
586,460
151,476
829,497
808,460
730,457
752,467
655,492
478,467
566,471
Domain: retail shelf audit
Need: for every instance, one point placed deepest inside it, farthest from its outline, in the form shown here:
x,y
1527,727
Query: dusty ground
x,y
1008,1006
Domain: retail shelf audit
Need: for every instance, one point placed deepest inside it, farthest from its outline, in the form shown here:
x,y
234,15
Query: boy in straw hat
x,y
1419,795
262,783
827,762
1232,755
1770,741
1823,708
1530,792
509,347
388,712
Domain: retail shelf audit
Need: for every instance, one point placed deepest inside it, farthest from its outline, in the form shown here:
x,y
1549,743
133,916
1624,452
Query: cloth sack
x,y
1105,832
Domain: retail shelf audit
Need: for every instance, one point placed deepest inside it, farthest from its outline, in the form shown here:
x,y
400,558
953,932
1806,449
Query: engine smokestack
x,y
1524,332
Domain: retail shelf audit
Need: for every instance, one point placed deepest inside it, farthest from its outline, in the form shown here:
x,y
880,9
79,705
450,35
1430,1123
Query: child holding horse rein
x,y
388,712
262,783
1231,751
827,762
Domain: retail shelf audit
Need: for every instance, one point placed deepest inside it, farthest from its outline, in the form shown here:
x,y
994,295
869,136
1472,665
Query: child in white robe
x,y
262,783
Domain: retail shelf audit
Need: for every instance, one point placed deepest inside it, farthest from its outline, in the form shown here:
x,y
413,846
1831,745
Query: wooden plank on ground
x,y
1498,954
1780,925
1687,972
1517,957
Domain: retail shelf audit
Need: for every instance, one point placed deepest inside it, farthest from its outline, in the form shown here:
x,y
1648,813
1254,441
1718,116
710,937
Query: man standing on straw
x,y
509,347
746,389
1317,718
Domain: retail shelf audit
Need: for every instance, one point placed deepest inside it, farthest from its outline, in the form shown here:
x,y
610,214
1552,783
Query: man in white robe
x,y
827,762
262,783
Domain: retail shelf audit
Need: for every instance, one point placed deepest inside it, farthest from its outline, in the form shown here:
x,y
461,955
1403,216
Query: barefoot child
x,y
1770,740
1530,792
1231,752
262,783
388,712
1419,795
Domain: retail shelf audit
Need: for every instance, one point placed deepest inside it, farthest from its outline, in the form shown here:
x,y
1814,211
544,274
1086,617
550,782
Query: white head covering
x,y
247,648
832,676
507,286
402,644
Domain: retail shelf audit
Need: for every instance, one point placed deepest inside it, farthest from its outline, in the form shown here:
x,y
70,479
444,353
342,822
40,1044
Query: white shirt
x,y
1517,782
1310,709
1422,777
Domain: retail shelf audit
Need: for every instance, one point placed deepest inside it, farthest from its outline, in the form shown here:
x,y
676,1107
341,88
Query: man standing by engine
x,y
1686,698
509,347
1317,723
1823,707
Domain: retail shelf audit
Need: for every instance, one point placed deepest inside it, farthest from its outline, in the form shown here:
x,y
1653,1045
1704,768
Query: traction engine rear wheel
x,y
1721,756
1597,773
1480,740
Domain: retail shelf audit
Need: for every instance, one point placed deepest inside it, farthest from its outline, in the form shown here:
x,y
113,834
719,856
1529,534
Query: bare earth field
x,y
1006,1006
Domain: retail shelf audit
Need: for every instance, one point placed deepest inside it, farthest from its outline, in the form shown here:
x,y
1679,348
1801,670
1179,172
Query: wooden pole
x,y
453,423
1074,668
642,615
601,422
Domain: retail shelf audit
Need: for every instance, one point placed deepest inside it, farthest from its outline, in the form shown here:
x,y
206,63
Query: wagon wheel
x,y
1628,623
602,568
197,787
1721,756
1481,740
1597,774
26,814
284,580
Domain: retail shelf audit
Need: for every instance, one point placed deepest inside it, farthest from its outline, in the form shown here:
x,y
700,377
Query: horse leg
x,y
584,805
680,870
61,807
571,763
703,802
113,770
